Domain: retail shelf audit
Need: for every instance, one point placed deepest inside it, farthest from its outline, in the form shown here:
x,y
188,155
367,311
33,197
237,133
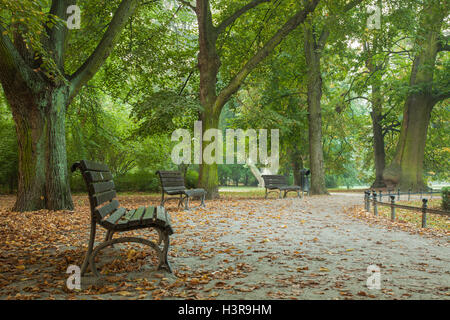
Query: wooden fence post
x,y
424,213
392,208
375,209
398,194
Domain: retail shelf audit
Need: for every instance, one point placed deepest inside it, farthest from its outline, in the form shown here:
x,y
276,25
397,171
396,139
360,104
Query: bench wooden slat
x,y
101,187
149,215
88,165
136,218
174,184
126,217
107,209
100,198
163,173
174,188
113,218
94,176
161,216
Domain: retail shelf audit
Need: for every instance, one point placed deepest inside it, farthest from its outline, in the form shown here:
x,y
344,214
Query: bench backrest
x,y
171,180
274,180
100,187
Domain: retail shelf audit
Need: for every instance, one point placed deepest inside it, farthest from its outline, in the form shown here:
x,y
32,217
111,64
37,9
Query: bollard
x,y
424,213
368,201
392,208
375,209
398,194
380,195
365,200
409,194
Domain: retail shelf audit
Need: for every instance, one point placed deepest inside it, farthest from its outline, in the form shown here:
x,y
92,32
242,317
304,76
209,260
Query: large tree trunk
x,y
297,165
40,126
208,176
378,138
406,169
312,54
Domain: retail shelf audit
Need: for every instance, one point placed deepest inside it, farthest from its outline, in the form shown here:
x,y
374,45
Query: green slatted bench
x,y
172,183
106,212
274,182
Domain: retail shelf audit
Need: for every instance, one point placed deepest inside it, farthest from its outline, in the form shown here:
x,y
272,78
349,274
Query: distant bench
x,y
114,219
172,183
272,183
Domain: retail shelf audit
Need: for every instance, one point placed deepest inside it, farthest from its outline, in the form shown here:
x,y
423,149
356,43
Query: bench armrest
x,y
75,166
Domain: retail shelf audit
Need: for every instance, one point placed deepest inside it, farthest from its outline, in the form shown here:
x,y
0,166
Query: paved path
x,y
310,249
266,249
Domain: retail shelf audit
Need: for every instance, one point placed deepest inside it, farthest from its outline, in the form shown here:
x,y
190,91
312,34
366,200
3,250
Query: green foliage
x,y
149,87
191,179
446,198
165,111
8,151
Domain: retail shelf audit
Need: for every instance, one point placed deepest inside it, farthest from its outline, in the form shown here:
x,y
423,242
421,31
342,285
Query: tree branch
x,y
263,52
442,96
188,4
104,48
57,34
443,44
225,23
13,68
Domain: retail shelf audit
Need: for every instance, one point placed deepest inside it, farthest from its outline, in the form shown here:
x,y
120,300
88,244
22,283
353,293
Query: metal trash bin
x,y
304,179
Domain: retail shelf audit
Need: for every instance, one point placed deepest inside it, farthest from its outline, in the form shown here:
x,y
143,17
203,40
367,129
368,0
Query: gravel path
x,y
310,249
262,249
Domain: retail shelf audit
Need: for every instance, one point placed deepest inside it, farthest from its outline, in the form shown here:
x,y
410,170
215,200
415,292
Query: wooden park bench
x,y
172,183
272,183
106,212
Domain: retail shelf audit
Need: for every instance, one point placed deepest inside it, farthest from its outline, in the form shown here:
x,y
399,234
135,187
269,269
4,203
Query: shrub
x,y
445,198
191,179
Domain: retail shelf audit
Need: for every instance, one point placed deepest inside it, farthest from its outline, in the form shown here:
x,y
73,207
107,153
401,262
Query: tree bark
x,y
376,115
297,164
312,55
43,174
378,140
406,168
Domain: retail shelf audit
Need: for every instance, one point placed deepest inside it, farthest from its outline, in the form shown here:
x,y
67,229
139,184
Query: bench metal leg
x,y
162,199
186,203
203,201
163,262
90,247
180,202
162,255
160,236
